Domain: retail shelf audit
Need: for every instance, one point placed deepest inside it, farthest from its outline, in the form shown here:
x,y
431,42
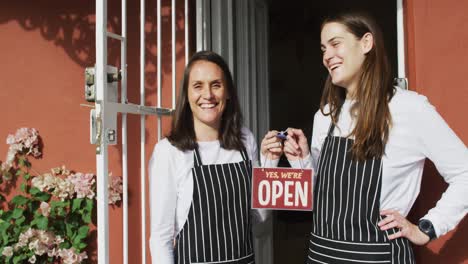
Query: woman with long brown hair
x,y
200,175
369,143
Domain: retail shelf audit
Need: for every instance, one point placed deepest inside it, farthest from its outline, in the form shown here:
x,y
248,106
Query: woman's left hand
x,y
393,219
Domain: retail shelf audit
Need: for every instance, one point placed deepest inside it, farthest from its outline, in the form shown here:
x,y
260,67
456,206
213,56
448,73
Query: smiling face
x,y
207,94
343,54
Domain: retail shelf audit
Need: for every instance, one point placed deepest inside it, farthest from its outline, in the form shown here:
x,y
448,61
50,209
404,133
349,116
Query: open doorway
x,y
296,80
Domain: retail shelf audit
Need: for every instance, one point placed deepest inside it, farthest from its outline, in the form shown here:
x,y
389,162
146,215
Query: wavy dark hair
x,y
374,91
182,134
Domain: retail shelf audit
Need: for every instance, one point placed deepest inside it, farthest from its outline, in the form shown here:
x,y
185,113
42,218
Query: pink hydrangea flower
x,y
43,242
7,251
26,140
115,189
69,256
44,209
83,184
32,259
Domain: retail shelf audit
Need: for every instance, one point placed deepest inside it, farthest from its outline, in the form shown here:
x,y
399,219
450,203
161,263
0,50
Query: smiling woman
x,y
200,175
368,148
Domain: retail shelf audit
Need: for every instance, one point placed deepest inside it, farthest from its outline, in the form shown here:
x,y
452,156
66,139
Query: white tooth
x,y
207,106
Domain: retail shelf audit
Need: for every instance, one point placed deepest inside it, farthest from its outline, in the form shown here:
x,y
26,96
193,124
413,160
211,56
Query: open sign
x,y
282,189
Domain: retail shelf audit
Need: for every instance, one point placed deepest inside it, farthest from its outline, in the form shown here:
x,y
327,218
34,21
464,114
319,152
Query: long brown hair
x,y
374,91
182,134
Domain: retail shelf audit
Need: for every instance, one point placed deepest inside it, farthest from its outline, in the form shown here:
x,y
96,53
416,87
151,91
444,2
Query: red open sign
x,y
282,189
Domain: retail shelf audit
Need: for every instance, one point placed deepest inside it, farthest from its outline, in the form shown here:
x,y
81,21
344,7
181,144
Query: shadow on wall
x,y
449,248
71,26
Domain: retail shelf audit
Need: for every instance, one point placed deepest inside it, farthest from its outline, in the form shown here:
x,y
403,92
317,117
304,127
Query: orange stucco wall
x,y
437,45
44,49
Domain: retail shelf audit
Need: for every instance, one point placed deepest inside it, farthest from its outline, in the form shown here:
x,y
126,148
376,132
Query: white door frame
x,y
402,80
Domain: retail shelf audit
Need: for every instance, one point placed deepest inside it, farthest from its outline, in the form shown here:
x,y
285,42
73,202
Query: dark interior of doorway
x,y
297,78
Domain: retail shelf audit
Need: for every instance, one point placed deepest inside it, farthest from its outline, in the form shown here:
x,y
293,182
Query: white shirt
x,y
171,189
418,132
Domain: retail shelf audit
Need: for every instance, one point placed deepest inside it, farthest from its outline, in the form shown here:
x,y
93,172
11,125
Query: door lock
x,y
113,77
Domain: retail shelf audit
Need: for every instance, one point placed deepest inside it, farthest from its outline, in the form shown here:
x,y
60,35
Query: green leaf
x,y
65,244
83,231
42,196
23,187
8,259
20,220
87,210
18,172
62,204
19,258
61,211
4,226
19,200
76,241
89,204
17,213
76,204
42,222
81,246
59,208
86,217
69,230
34,191
6,216
26,176
27,163
5,238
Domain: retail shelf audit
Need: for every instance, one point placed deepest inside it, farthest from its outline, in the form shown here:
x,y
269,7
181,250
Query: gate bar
x,y
186,33
123,70
173,34
101,155
142,133
115,36
159,43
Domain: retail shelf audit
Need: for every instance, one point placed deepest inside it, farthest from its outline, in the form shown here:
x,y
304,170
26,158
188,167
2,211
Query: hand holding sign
x,y
272,146
295,146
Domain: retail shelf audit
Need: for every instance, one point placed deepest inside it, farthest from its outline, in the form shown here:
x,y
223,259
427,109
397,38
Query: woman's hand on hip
x,y
295,146
272,146
393,219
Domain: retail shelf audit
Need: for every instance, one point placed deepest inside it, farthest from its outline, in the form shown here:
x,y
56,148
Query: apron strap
x,y
332,125
330,129
244,155
196,157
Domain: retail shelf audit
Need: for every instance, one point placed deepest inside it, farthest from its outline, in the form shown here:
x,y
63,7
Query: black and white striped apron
x,y
218,227
347,210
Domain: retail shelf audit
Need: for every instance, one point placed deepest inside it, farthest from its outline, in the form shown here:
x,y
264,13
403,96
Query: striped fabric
x,y
347,205
218,228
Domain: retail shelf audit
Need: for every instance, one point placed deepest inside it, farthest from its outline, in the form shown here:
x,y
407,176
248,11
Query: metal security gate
x,y
102,88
